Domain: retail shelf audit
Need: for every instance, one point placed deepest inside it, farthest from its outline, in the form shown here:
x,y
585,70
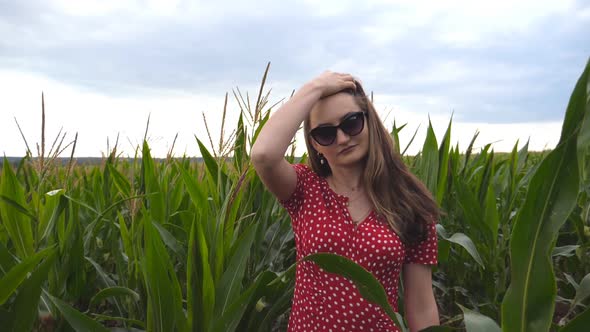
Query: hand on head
x,y
331,82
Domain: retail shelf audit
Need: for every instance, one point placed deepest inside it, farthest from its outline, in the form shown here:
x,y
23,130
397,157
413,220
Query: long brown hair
x,y
395,193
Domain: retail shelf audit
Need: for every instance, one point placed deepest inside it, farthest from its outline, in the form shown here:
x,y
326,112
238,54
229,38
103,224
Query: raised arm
x,y
268,152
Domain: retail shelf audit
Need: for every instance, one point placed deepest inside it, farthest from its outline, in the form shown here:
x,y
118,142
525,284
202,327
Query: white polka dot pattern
x,y
321,222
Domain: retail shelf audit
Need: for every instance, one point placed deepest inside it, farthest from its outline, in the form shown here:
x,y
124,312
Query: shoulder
x,y
309,182
305,172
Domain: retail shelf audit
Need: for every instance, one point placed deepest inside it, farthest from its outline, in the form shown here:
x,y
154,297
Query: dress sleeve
x,y
294,203
425,252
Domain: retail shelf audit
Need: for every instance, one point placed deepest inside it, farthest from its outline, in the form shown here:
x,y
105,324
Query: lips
x,y
347,149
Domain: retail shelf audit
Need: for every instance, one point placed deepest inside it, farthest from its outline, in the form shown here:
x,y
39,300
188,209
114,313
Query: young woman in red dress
x,y
357,199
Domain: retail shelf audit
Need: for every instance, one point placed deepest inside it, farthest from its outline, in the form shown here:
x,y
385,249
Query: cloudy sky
x,y
505,68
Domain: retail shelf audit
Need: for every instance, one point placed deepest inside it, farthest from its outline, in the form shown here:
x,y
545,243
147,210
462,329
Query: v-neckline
x,y
344,200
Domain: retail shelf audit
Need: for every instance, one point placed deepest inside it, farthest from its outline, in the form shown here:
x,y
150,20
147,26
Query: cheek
x,y
365,142
332,152
327,151
364,136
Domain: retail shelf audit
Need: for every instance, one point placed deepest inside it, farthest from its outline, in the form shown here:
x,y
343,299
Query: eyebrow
x,y
342,118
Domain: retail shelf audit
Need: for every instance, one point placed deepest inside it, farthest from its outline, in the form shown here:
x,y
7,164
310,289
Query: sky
x,y
503,68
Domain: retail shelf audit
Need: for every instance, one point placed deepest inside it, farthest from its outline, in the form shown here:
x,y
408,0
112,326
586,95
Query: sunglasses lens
x,y
353,125
324,135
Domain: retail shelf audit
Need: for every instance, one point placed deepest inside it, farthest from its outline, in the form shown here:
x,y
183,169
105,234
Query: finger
x,y
349,79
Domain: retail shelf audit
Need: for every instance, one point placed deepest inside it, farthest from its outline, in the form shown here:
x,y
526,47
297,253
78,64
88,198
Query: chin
x,y
353,158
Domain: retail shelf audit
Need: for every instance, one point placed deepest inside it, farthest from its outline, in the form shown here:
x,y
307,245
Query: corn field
x,y
145,244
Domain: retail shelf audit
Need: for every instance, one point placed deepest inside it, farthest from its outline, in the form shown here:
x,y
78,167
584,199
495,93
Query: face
x,y
347,149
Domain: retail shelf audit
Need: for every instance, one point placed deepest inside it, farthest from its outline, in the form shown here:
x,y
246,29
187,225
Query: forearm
x,y
421,315
276,135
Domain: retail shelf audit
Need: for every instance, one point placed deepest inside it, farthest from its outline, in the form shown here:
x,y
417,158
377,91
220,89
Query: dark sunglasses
x,y
352,125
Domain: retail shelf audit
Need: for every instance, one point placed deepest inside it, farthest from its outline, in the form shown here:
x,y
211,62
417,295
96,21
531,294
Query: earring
x,y
321,158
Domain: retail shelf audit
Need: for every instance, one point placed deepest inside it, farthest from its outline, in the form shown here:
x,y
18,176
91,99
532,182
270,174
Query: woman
x,y
356,199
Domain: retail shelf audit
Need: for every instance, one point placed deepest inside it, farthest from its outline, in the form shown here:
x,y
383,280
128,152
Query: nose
x,y
341,137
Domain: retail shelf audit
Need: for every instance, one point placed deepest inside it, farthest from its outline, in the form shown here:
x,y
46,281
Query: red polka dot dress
x,y
321,222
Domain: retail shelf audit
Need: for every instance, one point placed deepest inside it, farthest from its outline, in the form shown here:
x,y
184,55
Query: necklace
x,y
354,191
353,197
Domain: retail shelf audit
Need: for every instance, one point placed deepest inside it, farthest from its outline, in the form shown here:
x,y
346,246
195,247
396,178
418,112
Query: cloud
x,y
97,117
499,63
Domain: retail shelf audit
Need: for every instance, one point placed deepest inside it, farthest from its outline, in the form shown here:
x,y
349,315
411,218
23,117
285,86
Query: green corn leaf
x,y
369,287
195,191
106,181
231,317
58,204
76,319
112,292
155,201
468,153
230,285
164,299
444,249
529,302
171,242
175,191
571,281
486,178
395,135
120,181
410,142
200,285
577,108
76,284
230,211
565,251
7,260
122,319
16,222
470,207
102,275
580,323
17,274
217,249
512,175
17,206
26,302
443,166
269,297
96,185
476,322
429,161
462,240
278,307
240,153
491,216
92,228
194,290
523,155
211,164
582,292
126,239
